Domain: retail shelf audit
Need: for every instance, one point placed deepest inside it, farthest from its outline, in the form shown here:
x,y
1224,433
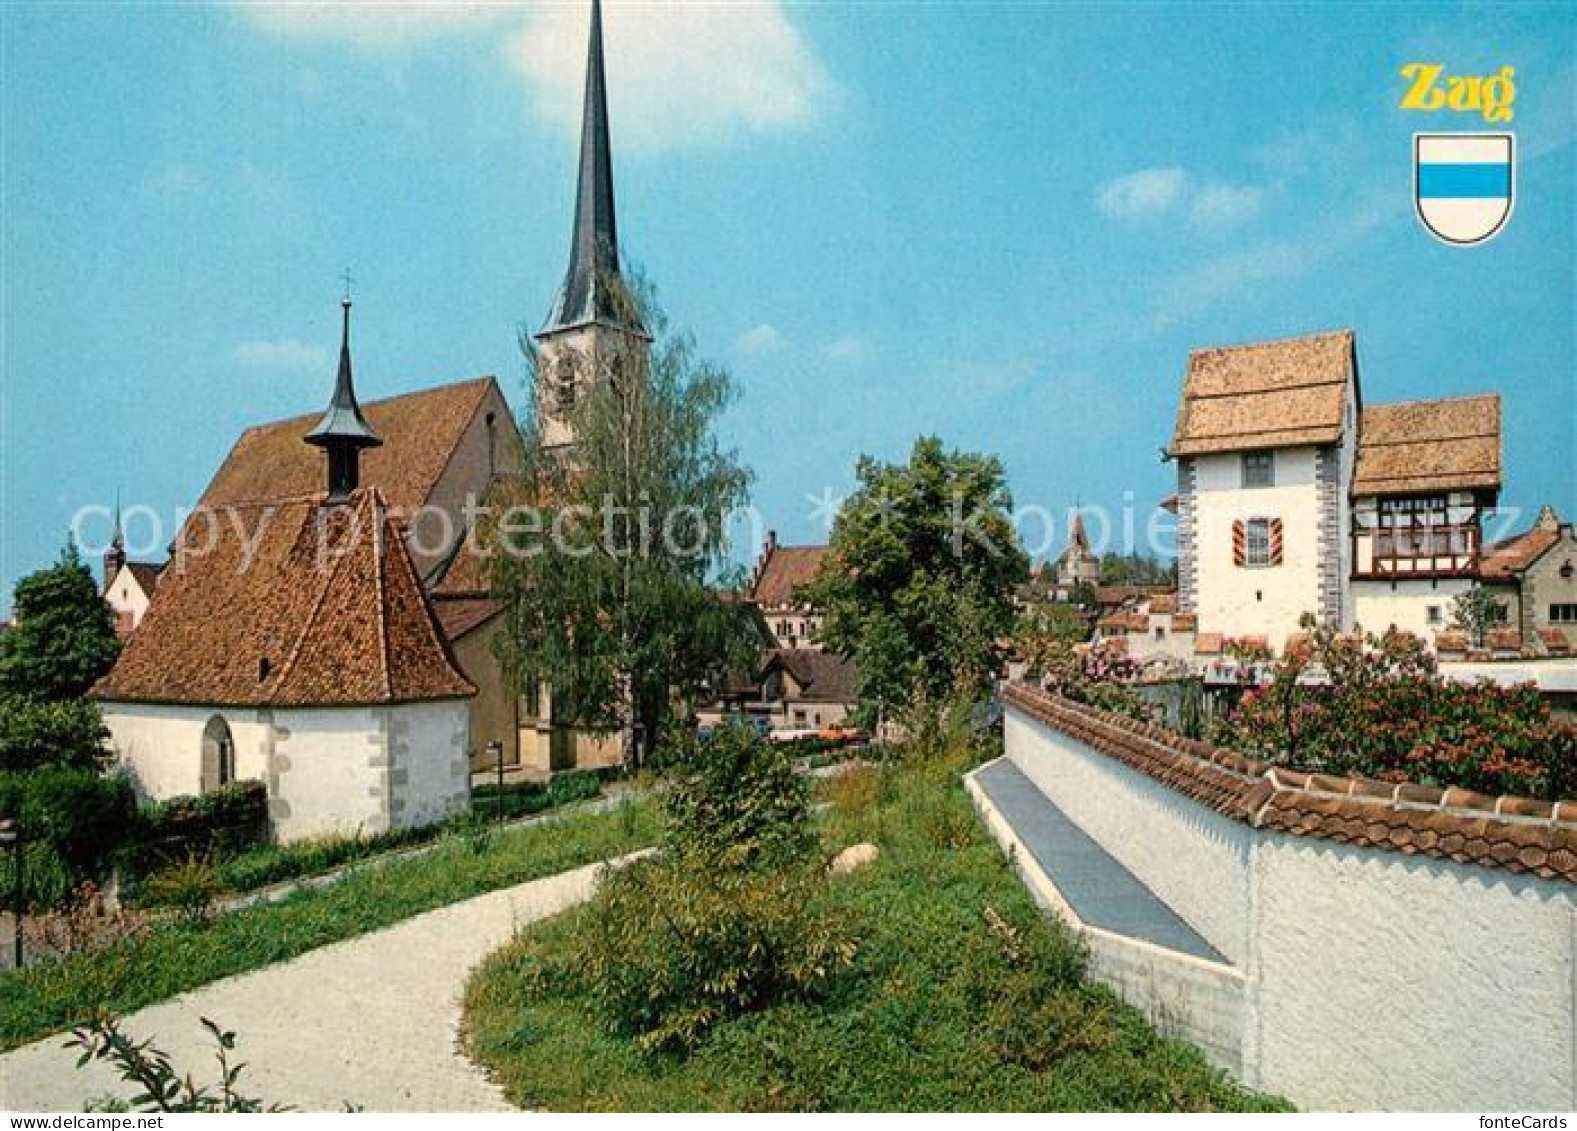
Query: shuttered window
x,y
1257,542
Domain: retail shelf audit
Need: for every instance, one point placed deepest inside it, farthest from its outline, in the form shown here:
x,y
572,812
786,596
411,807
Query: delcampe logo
x,y
1464,184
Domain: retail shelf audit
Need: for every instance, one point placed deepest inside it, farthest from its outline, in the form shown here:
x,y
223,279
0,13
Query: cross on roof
x,y
345,277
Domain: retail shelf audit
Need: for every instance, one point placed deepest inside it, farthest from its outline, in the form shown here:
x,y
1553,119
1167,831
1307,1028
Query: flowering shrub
x,y
1376,706
85,922
1101,677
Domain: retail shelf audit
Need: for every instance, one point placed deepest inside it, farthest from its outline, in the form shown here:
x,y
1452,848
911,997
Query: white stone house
x,y
1294,497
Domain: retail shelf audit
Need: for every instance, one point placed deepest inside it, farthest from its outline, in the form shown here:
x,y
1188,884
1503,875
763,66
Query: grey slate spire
x,y
343,431
594,244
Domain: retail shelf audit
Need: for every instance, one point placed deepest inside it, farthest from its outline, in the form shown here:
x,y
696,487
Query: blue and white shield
x,y
1463,184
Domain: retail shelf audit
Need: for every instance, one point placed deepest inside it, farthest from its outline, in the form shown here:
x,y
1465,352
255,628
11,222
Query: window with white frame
x,y
1256,542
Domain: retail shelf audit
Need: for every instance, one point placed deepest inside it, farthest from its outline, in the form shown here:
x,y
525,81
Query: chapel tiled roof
x,y
288,604
1515,834
1265,395
1442,445
420,432
1164,602
785,570
1118,594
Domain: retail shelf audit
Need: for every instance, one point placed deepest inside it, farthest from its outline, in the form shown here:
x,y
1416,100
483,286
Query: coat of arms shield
x,y
1463,184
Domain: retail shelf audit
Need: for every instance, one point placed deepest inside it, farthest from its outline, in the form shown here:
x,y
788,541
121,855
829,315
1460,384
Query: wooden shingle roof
x,y
288,604
1451,444
1266,395
420,432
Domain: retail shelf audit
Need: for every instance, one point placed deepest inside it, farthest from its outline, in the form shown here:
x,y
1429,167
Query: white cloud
x,y
394,23
850,349
678,74
1145,195
1216,206
1272,261
283,355
1164,193
763,339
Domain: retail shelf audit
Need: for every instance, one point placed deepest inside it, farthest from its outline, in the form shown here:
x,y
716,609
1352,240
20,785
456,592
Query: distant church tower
x,y
594,330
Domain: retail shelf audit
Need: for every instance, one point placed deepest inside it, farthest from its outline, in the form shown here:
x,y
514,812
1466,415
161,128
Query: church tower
x,y
594,329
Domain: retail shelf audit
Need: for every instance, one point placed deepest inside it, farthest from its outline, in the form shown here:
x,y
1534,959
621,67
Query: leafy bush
x,y
667,950
217,823
163,1087
188,888
46,877
734,800
727,920
36,733
81,815
576,785
1377,707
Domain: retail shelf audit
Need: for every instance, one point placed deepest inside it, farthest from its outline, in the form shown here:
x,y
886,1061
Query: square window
x,y
1433,615
1259,469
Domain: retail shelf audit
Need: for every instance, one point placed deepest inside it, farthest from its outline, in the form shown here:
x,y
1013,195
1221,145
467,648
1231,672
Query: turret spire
x,y
343,431
594,245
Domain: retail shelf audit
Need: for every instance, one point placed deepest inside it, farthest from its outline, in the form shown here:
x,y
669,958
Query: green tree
x,y
615,551
1475,611
1136,569
64,637
918,582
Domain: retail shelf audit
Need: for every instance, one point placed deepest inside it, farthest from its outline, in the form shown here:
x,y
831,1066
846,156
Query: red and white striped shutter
x,y
1239,543
1275,541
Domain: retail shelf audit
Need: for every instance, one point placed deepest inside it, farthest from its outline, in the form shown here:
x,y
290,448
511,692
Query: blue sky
x,y
1004,224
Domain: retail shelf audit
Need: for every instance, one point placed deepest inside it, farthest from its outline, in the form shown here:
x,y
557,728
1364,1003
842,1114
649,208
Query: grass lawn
x,y
267,864
44,999
963,996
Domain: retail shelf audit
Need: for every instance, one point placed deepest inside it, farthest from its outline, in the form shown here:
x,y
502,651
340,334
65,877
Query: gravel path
x,y
370,1021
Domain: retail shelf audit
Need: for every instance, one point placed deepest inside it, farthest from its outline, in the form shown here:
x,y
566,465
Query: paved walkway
x,y
370,1021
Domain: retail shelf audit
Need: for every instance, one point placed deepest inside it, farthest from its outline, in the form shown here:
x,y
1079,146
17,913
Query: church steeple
x,y
594,245
343,431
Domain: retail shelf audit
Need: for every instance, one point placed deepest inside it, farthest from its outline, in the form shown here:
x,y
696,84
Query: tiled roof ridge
x,y
311,619
1343,332
380,563
429,617
481,379
1516,834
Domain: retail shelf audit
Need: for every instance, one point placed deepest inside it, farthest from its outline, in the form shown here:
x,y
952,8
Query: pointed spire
x,y
343,431
594,245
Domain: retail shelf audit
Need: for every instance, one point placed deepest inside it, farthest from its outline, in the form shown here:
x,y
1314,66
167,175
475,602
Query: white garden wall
x,y
1369,978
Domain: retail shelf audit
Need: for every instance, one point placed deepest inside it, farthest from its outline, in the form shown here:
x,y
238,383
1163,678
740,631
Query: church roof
x,y
594,245
1276,394
288,604
1452,444
785,569
420,433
